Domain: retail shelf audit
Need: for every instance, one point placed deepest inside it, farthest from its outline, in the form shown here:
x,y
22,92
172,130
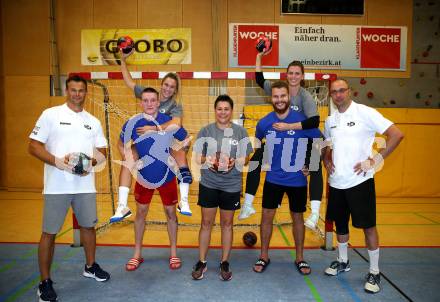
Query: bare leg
x,y
46,250
298,231
208,218
226,224
139,228
266,228
170,212
88,239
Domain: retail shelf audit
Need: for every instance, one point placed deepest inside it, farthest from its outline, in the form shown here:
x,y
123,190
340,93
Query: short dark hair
x,y
280,84
76,78
224,98
150,90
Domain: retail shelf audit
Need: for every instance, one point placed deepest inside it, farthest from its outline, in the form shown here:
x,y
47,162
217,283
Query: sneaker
x,y
46,292
183,207
225,273
337,267
198,270
96,272
312,221
372,284
121,213
246,211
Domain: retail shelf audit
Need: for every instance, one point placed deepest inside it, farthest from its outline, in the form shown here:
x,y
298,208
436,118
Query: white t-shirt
x,y
352,134
64,131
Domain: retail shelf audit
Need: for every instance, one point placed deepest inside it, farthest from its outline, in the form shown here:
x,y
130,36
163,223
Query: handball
x,y
221,163
264,44
249,239
80,162
125,44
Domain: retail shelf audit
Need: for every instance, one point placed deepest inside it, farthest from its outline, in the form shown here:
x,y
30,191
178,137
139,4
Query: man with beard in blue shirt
x,y
284,154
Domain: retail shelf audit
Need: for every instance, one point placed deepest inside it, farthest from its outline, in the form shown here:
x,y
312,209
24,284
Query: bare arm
x,y
38,150
393,138
125,72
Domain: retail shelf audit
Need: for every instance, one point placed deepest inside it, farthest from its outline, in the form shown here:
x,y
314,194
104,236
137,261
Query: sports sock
x,y
123,195
184,190
343,252
374,261
315,205
248,199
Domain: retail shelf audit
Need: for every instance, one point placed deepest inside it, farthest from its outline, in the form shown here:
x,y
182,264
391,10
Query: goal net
x,y
113,104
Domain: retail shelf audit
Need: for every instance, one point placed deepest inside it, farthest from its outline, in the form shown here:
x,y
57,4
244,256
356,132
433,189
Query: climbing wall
x,y
422,90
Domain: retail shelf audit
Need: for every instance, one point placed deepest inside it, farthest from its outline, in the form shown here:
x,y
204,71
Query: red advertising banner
x,y
380,47
247,35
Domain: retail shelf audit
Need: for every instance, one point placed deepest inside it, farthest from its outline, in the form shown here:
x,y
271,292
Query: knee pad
x,y
184,176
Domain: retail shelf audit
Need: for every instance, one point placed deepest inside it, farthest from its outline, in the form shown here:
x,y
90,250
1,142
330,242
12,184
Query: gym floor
x,y
410,259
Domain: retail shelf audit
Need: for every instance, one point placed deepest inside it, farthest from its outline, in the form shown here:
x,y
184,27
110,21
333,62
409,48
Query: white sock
x,y
248,199
315,205
123,196
343,252
374,261
184,190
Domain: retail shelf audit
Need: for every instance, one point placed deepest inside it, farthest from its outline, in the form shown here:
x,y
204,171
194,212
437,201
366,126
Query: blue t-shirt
x,y
153,148
285,151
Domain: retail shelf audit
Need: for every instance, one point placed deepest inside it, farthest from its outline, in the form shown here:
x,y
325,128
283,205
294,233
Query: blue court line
x,y
314,291
32,281
292,252
348,288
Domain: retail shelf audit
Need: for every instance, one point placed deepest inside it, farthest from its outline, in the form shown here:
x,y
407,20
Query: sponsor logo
x,y
351,124
87,127
291,132
65,123
247,36
380,47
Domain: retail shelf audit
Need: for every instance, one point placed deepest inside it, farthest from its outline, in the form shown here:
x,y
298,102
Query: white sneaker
x,y
246,211
183,207
312,221
372,283
121,213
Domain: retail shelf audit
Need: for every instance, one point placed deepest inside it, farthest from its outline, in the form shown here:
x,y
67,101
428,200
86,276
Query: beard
x,y
282,110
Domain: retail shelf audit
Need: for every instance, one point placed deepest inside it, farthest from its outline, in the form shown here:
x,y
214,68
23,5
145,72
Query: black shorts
x,y
273,195
358,201
212,198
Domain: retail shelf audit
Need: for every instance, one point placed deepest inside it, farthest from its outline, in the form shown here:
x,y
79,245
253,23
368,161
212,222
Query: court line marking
x,y
292,252
26,285
384,276
29,254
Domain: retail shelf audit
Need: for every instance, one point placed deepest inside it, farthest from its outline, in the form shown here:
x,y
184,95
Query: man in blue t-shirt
x,y
153,171
284,159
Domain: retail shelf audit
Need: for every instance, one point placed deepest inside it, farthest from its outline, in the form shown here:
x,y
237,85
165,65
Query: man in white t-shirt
x,y
350,133
71,144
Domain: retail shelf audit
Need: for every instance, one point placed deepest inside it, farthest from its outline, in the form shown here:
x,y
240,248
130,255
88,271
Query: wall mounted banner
x,y
152,46
321,46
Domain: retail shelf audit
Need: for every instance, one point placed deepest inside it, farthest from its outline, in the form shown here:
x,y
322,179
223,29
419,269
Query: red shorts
x,y
167,192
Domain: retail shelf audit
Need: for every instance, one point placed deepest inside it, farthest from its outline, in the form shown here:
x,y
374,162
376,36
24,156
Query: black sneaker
x,y
96,272
337,267
225,273
46,292
198,270
372,283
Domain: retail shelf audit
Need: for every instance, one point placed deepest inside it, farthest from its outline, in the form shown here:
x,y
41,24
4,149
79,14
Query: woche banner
x,y
151,46
321,46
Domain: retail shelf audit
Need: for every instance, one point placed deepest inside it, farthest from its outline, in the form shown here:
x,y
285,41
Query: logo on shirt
x,y
332,127
294,107
35,131
350,124
162,110
87,127
65,123
234,142
271,132
291,132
